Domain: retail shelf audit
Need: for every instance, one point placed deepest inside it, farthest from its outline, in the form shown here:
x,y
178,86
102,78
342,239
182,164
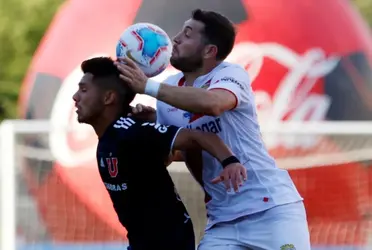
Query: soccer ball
x,y
147,45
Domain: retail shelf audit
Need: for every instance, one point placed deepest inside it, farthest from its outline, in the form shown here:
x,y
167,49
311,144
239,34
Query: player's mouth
x,y
174,51
77,109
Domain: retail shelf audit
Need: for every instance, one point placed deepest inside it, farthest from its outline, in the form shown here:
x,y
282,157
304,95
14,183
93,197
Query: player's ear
x,y
109,97
210,51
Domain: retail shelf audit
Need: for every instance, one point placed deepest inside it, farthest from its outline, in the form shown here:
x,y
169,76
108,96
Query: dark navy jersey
x,y
131,158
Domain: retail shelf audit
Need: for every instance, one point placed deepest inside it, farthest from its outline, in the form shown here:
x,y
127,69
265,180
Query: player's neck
x,y
190,77
100,126
105,120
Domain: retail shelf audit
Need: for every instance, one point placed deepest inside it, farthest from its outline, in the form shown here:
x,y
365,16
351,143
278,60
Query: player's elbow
x,y
212,105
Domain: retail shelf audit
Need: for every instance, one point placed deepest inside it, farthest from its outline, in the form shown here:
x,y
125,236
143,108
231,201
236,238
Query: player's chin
x,y
176,62
81,119
174,59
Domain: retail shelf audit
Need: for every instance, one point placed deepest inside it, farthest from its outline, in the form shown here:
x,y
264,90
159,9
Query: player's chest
x,y
108,165
111,164
177,117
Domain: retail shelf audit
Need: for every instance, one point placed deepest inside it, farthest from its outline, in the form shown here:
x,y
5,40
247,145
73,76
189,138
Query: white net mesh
x,y
63,201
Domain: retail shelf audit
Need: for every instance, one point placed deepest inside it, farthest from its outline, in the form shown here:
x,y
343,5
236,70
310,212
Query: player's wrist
x,y
152,88
229,160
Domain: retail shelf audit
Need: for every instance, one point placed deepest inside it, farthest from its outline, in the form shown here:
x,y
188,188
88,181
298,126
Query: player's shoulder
x,y
232,69
231,73
124,123
174,79
123,127
129,124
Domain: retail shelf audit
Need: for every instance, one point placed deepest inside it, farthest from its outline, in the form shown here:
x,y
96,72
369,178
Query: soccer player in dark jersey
x,y
132,156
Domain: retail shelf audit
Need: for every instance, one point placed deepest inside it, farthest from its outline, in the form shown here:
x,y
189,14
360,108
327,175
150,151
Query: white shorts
x,y
280,228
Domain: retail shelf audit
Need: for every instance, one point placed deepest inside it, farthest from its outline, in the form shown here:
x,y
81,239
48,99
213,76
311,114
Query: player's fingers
x,y
227,182
124,69
135,110
243,172
148,109
126,79
139,108
238,178
129,62
235,181
216,180
119,66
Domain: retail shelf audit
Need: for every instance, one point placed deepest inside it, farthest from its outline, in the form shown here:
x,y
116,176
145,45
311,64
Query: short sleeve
x,y
157,136
233,79
159,113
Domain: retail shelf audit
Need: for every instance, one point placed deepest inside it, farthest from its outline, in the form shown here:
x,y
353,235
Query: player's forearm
x,y
190,99
212,144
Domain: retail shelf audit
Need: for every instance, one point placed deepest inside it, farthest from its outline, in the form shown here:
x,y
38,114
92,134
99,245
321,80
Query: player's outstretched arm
x,y
234,173
166,139
225,92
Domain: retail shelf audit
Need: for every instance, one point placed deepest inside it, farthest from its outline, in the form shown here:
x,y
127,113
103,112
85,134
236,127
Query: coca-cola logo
x,y
293,99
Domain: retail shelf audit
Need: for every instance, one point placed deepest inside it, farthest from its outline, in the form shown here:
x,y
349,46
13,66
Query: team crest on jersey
x,y
288,247
102,163
206,85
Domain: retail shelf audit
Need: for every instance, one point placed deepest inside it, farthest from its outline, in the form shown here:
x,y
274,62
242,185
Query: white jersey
x,y
267,186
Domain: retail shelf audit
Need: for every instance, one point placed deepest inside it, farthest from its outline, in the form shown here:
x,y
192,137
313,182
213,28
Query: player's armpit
x,y
174,155
177,156
187,139
194,162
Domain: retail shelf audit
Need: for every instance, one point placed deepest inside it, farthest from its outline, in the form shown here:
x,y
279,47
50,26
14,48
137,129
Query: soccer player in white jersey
x,y
212,95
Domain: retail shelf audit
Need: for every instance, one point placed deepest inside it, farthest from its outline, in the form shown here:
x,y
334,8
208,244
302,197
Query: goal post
x,y
51,192
8,185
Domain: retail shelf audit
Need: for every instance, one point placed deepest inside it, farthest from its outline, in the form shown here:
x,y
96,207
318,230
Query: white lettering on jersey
x,y
230,79
161,128
124,123
116,187
213,126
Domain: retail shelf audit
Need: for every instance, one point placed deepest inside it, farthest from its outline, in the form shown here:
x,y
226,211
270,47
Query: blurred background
x,y
309,62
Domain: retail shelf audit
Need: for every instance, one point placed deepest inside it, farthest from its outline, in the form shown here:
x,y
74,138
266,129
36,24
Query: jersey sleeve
x,y
159,113
235,80
155,136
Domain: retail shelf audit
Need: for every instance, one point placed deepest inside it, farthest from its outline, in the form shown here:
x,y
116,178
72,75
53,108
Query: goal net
x,y
52,196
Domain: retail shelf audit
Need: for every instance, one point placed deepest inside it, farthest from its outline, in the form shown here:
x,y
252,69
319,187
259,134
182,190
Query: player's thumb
x,y
216,180
139,108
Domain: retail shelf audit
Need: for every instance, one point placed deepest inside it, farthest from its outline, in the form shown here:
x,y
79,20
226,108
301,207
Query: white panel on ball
x,y
148,45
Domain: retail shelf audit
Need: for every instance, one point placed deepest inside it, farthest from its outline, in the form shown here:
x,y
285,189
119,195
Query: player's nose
x,y
75,97
176,39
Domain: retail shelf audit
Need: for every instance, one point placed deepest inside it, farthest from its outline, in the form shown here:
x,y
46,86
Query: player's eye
x,y
83,89
187,33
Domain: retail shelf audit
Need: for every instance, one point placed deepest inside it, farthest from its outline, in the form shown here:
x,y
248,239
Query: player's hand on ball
x,y
234,174
143,112
132,74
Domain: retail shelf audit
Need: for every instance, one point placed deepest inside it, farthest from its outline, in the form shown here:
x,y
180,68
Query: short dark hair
x,y
219,31
104,68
